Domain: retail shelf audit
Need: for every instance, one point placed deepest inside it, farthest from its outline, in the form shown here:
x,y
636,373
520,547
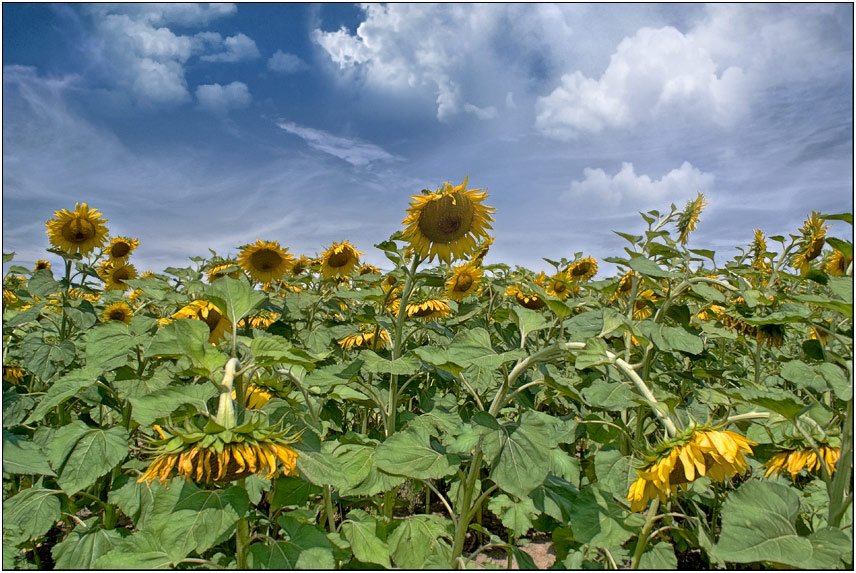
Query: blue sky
x,y
210,126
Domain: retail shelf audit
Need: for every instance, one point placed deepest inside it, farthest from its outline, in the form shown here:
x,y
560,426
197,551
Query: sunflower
x,y
447,224
717,454
120,248
255,396
811,242
13,374
301,264
759,247
482,251
838,263
525,299
339,260
558,286
369,270
689,217
207,312
711,313
42,264
795,460
115,275
261,319
81,232
625,285
366,338
770,334
226,269
582,270
642,306
118,311
9,297
428,310
464,281
266,261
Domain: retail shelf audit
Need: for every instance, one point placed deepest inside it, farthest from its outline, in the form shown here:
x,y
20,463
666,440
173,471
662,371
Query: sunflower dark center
x,y
78,230
422,311
212,319
447,219
121,275
265,260
559,287
117,315
580,270
463,283
338,259
120,249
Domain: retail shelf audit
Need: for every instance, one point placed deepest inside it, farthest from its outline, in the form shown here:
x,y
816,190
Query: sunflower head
x,y
525,298
813,237
447,224
481,251
301,264
428,309
13,374
582,270
368,269
689,217
838,263
42,264
464,281
339,260
795,460
558,286
265,261
207,312
260,319
643,305
77,232
115,275
225,269
118,311
770,334
120,248
370,336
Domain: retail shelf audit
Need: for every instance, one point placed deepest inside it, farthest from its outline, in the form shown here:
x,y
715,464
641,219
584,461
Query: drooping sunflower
x,y
120,248
301,264
42,264
759,247
643,305
525,299
558,286
689,217
207,312
482,251
811,242
625,285
717,454
794,460
118,311
582,270
464,281
838,263
449,223
428,309
225,269
370,336
81,231
368,269
266,261
770,334
115,275
260,319
339,260
13,374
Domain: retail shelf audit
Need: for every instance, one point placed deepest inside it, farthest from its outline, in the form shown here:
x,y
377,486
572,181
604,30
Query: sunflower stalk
x,y
226,408
839,499
409,279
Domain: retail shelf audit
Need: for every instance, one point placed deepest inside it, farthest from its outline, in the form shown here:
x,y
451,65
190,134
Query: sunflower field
x,y
270,411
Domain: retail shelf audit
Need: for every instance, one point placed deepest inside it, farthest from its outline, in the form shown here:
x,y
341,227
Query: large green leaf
x,y
409,453
359,467
366,545
82,454
235,297
819,378
659,557
616,396
136,500
528,320
187,337
148,409
524,458
292,490
46,358
84,545
515,515
42,284
600,522
108,344
642,265
63,389
417,542
34,510
404,366
22,456
273,349
468,347
144,550
759,525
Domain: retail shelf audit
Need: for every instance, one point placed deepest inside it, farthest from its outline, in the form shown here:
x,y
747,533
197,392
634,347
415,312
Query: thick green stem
x,y
242,543
398,335
328,508
642,540
839,500
226,409
465,511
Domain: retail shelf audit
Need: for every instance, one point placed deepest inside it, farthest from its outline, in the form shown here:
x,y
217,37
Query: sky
x,y
194,127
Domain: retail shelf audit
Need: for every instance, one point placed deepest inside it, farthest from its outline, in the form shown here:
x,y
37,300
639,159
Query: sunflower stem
x,y
837,486
396,348
642,540
226,408
242,541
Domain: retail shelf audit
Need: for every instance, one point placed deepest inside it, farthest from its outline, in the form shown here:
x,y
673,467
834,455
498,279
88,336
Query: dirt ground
x,y
541,553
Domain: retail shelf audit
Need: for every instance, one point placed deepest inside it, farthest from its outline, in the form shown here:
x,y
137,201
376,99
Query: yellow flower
x,y
120,248
717,454
428,310
366,338
625,285
811,242
464,281
770,334
115,275
689,217
222,270
9,297
641,306
301,264
759,247
13,374
795,460
41,264
118,311
557,286
838,263
582,270
81,231
205,311
261,319
525,299
369,269
447,224
266,261
482,251
339,260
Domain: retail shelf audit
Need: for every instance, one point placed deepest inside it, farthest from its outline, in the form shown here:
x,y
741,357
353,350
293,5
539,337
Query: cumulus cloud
x,y
237,48
219,99
285,63
357,153
628,187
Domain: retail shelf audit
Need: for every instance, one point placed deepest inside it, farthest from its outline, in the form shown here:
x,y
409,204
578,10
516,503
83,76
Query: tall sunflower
x,y
115,275
207,312
120,248
81,231
368,269
447,224
794,460
428,309
582,270
811,243
118,311
42,264
339,260
482,251
525,298
301,264
370,336
759,247
689,217
224,269
464,281
266,261
558,286
260,319
717,454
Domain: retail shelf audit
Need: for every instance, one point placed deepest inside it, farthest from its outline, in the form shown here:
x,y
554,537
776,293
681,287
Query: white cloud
x,y
237,48
628,187
285,63
357,153
220,99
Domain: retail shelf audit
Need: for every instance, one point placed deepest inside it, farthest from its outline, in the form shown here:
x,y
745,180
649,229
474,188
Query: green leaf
x,y
365,544
235,297
594,354
44,359
160,404
143,550
22,456
42,284
63,389
108,344
468,347
842,287
681,339
642,265
614,471
404,366
524,458
555,497
659,557
8,257
844,247
359,466
599,521
281,556
83,546
615,396
273,349
528,320
515,515
321,468
416,542
82,454
820,378
136,500
585,325
34,510
759,524
187,337
846,217
409,453
709,293
291,490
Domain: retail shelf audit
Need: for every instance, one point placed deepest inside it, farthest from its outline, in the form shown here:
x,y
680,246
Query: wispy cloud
x,y
220,99
357,153
285,63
